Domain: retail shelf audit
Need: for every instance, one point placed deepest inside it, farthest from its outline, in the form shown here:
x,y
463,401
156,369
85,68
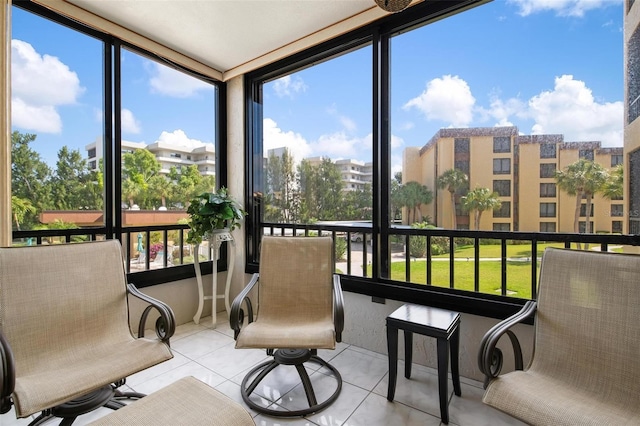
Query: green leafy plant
x,y
212,211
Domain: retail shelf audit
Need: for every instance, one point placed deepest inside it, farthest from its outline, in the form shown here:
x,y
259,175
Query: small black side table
x,y
439,323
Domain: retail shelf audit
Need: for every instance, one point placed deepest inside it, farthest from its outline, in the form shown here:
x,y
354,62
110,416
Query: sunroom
x,y
213,86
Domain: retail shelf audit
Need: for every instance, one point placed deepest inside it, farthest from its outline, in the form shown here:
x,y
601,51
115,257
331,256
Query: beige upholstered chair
x,y
300,310
586,366
65,341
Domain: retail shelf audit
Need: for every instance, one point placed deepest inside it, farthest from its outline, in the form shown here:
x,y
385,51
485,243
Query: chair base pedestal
x,y
297,358
107,396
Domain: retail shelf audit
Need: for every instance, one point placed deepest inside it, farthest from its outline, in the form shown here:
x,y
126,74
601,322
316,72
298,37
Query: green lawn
x,y
518,276
495,250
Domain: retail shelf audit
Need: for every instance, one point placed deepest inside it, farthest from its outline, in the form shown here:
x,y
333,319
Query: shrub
x,y
341,248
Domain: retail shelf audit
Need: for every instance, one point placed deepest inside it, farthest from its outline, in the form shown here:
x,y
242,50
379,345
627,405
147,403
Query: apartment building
x,y
169,155
521,169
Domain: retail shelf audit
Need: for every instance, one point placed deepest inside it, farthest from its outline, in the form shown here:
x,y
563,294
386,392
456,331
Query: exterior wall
x,y
631,130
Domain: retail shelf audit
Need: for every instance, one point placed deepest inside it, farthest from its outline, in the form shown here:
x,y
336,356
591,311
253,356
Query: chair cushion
x,y
280,335
542,400
185,402
62,379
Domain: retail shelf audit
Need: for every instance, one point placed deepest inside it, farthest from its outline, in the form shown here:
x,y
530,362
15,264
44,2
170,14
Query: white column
x,y
5,124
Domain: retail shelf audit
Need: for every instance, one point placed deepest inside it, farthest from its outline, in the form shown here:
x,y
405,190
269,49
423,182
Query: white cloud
x,y
396,142
179,138
448,99
39,84
43,119
274,137
288,86
340,145
571,109
573,8
129,122
170,82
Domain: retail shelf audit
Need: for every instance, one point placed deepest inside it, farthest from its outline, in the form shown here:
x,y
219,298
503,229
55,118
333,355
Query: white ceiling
x,y
229,35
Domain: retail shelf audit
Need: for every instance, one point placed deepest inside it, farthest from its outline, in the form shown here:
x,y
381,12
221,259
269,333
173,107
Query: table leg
x,y
455,372
408,353
392,348
443,369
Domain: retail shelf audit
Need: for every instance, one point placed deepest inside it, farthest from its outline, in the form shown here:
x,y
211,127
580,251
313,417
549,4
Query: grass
x,y
518,275
495,250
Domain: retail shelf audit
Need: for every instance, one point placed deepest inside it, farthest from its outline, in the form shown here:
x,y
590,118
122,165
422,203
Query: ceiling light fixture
x,y
393,6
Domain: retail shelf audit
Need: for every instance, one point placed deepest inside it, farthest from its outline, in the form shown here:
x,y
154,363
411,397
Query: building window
x,y
616,159
547,150
617,210
502,187
547,190
583,210
547,227
91,153
547,209
586,154
504,210
501,144
501,166
616,226
547,170
463,166
461,145
502,227
582,225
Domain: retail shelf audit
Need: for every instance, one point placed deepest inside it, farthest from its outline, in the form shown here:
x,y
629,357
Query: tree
x,y
160,186
281,205
320,191
138,168
584,178
395,197
453,180
479,200
415,195
19,209
357,205
614,187
71,182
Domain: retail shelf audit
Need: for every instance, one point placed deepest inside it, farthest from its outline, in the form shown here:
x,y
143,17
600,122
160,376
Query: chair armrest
x,y
338,307
236,316
489,357
7,375
166,323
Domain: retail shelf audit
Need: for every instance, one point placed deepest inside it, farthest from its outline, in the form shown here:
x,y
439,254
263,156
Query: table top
x,y
425,316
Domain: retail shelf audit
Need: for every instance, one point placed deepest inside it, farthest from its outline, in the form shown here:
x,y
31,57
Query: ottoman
x,y
187,401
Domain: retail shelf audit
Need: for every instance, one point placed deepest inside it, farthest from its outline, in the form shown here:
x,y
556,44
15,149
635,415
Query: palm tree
x,y
414,195
20,207
453,180
614,187
479,200
584,178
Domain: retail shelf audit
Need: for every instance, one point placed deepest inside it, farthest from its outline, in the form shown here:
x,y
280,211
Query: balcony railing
x,y
401,241
357,253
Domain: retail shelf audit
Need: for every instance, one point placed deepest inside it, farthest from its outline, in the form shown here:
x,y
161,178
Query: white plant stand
x,y
215,241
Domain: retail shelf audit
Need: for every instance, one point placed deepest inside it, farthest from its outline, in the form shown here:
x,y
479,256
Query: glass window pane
x,y
168,154
57,98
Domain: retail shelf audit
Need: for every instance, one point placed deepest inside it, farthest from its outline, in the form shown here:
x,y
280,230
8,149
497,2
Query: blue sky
x,y
546,66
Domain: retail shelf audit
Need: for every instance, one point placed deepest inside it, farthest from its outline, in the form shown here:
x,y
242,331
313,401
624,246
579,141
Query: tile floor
x,y
209,355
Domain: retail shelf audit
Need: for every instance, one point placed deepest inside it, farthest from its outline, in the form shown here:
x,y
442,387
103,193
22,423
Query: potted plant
x,y
211,212
212,217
